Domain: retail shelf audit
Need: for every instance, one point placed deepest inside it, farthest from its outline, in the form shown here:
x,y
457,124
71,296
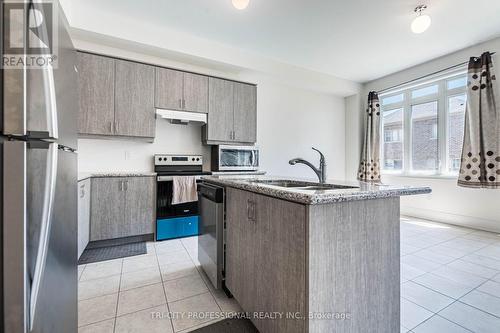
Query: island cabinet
x,y
330,267
266,258
183,91
232,116
122,207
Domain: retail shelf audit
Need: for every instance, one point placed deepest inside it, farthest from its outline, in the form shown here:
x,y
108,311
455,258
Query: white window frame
x,y
442,98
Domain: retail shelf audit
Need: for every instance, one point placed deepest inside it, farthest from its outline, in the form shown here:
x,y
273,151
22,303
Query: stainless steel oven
x,y
181,220
235,158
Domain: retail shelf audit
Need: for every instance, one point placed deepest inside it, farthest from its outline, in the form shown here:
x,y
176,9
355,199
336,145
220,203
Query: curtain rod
x,y
427,75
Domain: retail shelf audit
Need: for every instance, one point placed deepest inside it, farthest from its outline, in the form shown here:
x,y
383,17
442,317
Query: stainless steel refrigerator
x,y
38,182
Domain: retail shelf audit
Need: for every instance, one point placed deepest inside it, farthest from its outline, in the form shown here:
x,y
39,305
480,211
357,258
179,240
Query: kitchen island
x,y
309,257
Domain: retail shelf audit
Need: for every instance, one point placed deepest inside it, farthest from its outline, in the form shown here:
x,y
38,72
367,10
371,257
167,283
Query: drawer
x,y
176,227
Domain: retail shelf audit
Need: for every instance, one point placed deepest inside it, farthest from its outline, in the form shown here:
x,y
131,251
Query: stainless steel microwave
x,y
235,158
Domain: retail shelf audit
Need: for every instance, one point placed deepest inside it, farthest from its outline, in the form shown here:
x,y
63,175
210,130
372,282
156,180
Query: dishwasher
x,y
211,239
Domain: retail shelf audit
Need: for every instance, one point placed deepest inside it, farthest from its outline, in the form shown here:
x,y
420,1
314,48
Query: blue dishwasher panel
x,y
176,227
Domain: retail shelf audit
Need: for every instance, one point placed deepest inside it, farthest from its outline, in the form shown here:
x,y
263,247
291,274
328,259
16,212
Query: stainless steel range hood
x,y
182,117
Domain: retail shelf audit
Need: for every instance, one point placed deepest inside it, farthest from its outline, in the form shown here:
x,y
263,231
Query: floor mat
x,y
229,326
112,252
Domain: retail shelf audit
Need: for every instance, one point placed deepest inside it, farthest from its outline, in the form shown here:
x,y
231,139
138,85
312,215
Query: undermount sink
x,y
300,185
284,183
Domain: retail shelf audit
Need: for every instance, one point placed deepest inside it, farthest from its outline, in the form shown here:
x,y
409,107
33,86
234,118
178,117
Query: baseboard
x,y
120,241
455,219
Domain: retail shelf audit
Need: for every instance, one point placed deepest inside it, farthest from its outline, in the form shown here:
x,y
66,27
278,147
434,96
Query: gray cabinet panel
x,y
280,263
240,251
245,112
107,208
220,114
140,205
83,215
134,99
195,93
96,78
169,88
266,257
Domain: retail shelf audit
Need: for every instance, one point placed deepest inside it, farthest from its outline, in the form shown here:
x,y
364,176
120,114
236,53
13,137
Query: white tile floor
x,y
450,282
122,295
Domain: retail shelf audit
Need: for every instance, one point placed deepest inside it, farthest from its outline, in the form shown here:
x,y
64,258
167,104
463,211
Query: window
x,y
424,146
393,139
423,127
456,124
393,135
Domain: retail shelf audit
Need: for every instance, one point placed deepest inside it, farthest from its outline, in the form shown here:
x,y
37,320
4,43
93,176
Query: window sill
x,y
399,175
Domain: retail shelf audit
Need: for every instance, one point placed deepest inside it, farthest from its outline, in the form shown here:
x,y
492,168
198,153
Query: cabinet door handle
x,y
251,211
110,127
82,191
126,185
180,103
120,186
183,104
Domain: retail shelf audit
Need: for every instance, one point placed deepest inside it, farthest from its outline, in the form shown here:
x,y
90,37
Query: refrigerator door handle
x,y
43,243
50,102
49,86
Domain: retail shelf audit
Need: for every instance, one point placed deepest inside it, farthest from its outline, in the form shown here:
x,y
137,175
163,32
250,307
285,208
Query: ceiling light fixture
x,y
421,22
240,4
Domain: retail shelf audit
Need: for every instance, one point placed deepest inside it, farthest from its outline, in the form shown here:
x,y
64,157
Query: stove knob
x,y
192,159
159,159
198,159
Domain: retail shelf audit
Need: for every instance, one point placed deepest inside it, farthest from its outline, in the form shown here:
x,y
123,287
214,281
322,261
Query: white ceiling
x,y
358,40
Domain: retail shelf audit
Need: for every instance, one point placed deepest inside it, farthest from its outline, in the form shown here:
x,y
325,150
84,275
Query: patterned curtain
x,y
369,168
480,166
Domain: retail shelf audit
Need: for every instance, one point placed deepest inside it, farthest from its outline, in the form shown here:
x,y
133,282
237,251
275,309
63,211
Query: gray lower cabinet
x,y
122,207
338,259
83,215
107,215
134,99
96,79
232,116
177,90
140,204
266,257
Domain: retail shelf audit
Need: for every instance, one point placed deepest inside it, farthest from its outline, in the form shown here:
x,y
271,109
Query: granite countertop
x,y
361,190
85,175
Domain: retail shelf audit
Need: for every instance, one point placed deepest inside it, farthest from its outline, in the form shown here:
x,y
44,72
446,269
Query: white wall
x,y
290,121
478,208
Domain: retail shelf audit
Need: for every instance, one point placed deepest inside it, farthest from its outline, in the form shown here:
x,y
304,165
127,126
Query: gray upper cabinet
x,y
220,115
169,89
96,78
134,99
119,97
195,92
245,112
177,90
232,116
